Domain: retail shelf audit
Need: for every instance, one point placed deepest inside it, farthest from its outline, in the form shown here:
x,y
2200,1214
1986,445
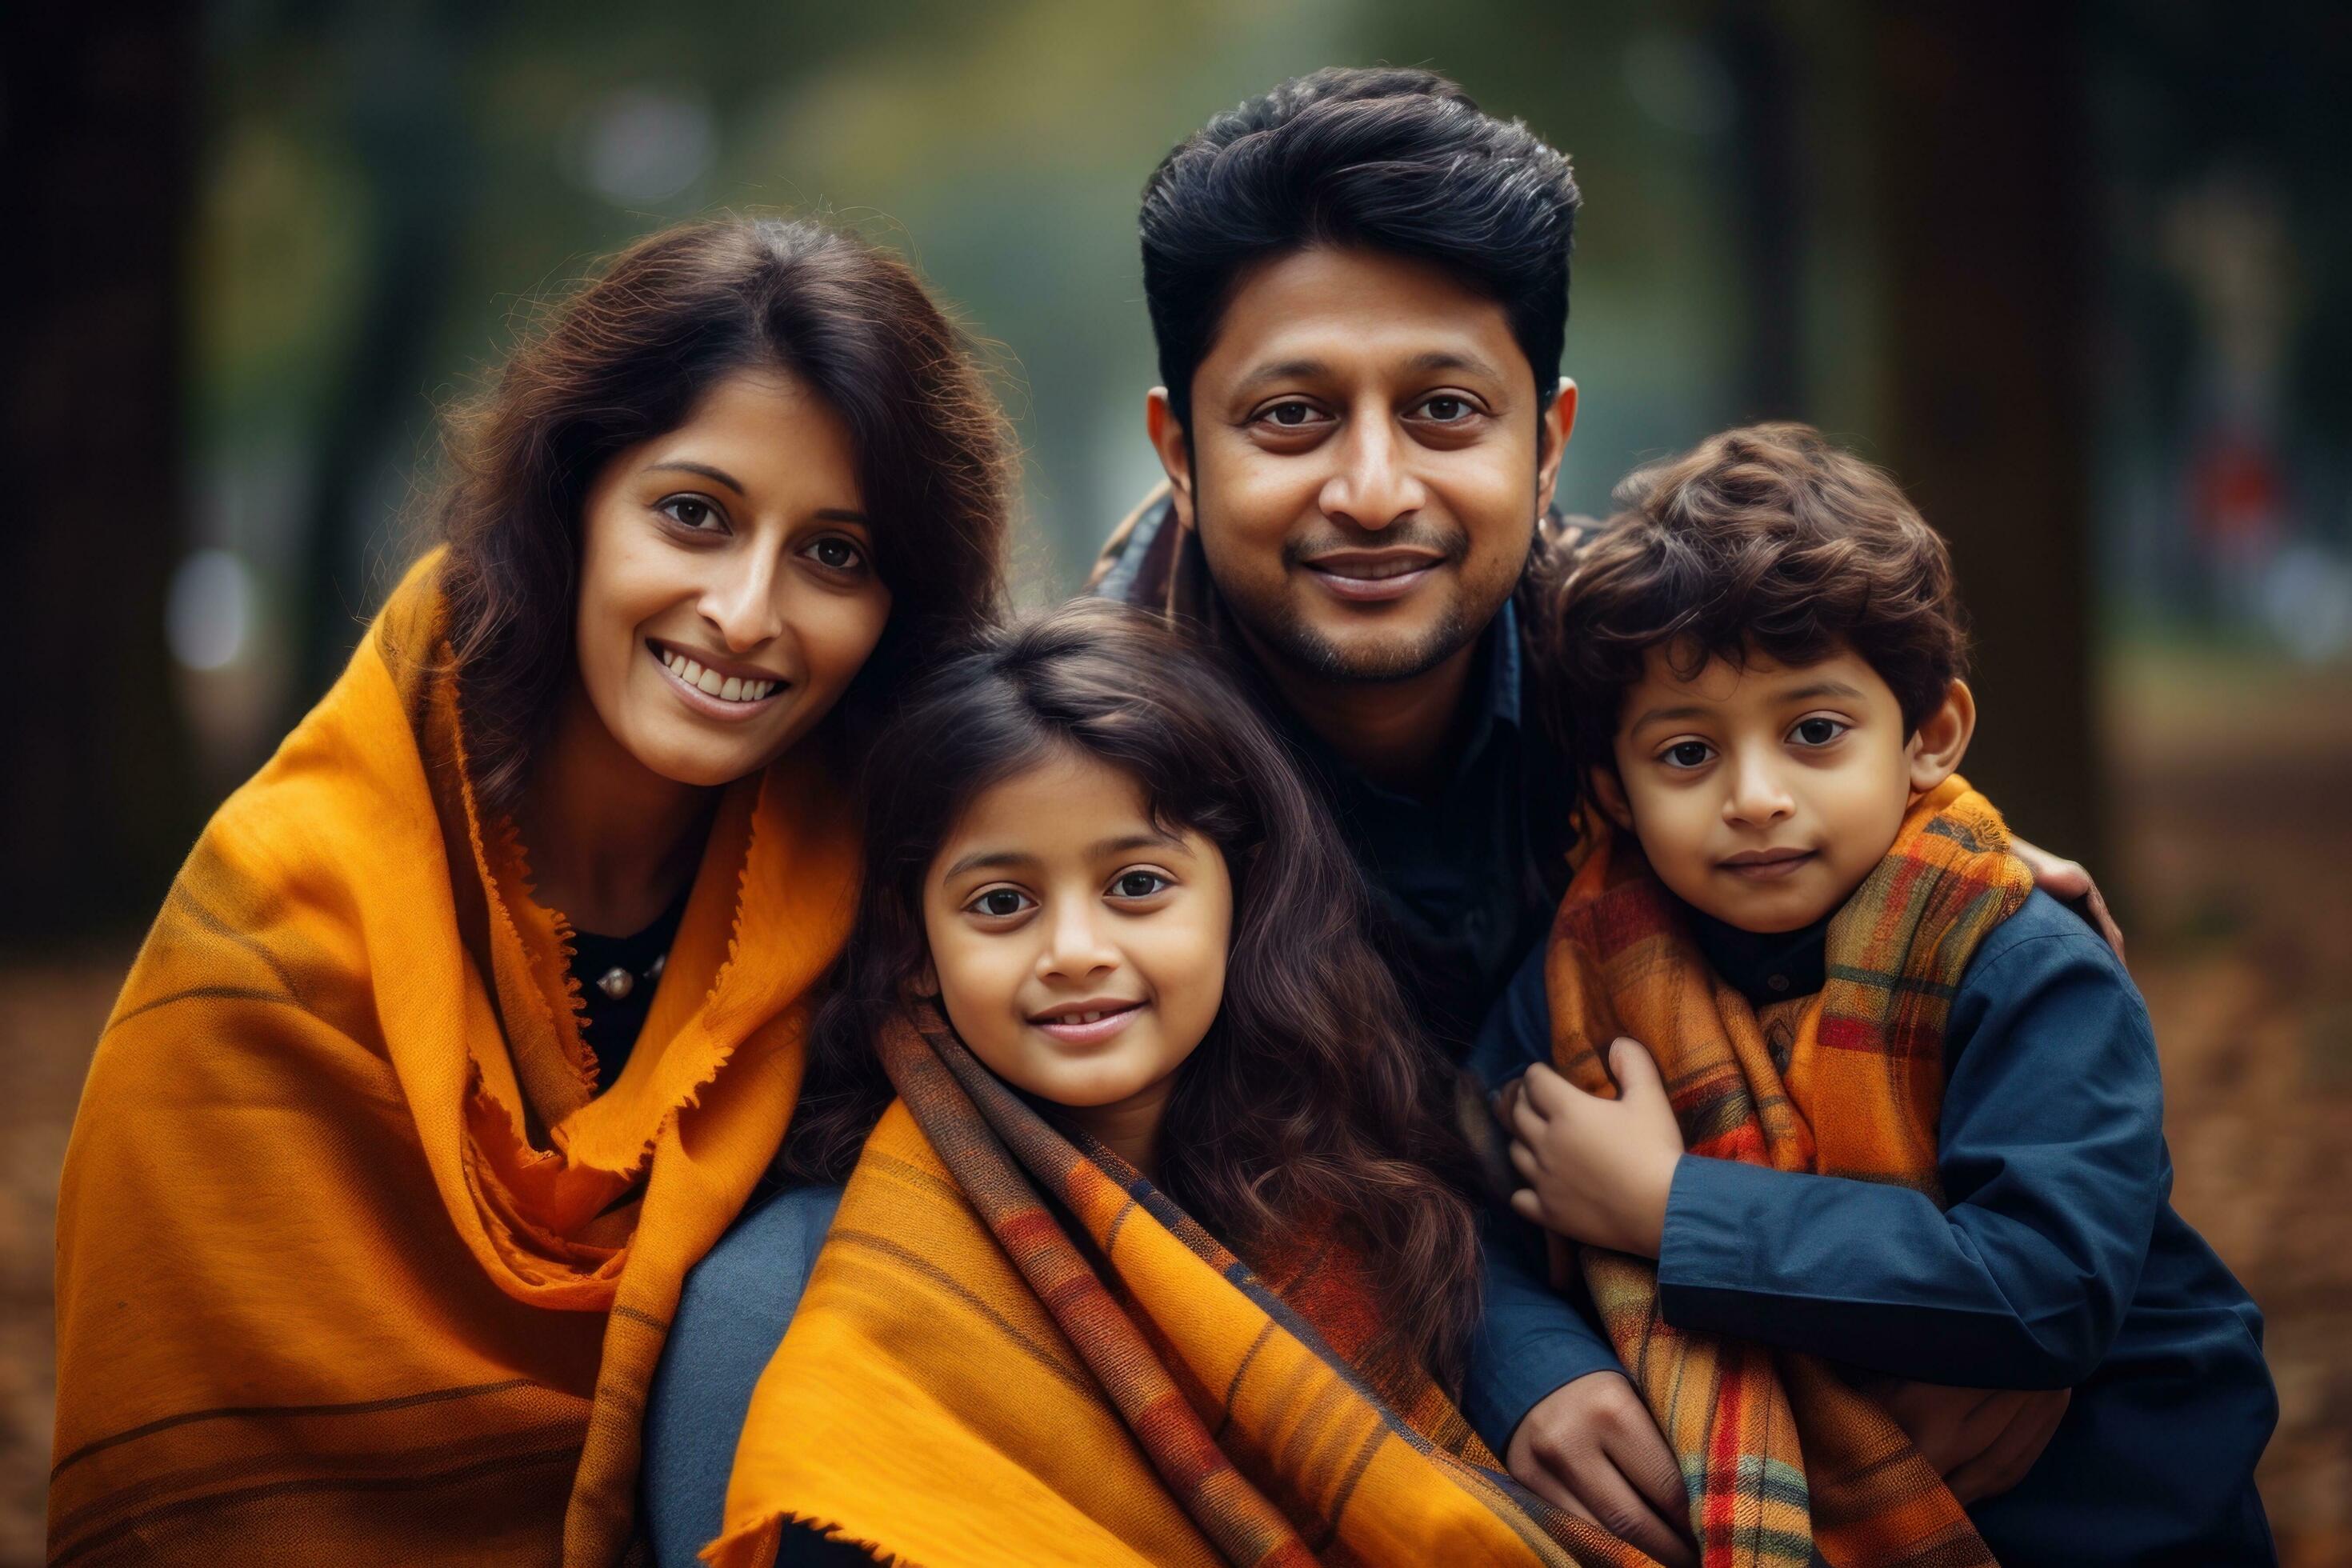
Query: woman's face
x,y
1079,948
728,592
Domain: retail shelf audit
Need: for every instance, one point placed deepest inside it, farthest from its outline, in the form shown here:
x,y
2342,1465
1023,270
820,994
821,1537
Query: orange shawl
x,y
351,1265
1015,1353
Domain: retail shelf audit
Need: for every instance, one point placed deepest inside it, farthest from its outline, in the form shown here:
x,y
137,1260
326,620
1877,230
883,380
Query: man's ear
x,y
1942,738
1609,793
1175,449
1552,431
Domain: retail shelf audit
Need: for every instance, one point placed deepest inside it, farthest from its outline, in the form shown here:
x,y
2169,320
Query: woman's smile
x,y
715,691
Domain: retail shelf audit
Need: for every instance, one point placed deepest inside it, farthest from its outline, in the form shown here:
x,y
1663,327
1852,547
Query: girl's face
x,y
727,585
1080,949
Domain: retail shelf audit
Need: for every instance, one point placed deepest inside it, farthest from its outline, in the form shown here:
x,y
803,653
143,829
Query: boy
x,y
1932,1092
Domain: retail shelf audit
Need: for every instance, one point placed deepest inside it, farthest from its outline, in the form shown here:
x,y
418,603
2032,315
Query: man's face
x,y
1366,462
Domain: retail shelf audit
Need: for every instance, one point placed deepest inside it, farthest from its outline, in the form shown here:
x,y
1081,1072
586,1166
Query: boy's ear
x,y
1609,793
1942,738
1168,439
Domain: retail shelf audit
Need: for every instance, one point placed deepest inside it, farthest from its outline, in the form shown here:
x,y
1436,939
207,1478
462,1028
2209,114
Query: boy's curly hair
x,y
1764,540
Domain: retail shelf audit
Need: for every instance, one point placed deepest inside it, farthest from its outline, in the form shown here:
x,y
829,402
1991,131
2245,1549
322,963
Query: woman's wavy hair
x,y
1311,1103
624,359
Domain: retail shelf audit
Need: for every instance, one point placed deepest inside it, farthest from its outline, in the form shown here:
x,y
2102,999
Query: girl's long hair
x,y
1311,1104
623,359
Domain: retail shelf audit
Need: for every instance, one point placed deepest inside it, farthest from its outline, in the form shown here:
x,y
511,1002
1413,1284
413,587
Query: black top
x,y
1767,968
610,1024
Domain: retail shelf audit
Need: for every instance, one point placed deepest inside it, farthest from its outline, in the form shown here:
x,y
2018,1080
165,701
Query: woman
x,y
474,1017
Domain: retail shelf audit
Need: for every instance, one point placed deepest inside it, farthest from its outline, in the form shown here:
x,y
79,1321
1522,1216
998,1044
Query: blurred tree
x,y
95,127
1985,219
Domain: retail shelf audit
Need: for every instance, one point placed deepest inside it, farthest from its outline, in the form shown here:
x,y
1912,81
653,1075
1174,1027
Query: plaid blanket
x,y
1781,1455
1014,1349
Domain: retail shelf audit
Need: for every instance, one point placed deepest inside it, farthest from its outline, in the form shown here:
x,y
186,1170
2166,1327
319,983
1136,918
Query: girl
x,y
474,1017
1108,957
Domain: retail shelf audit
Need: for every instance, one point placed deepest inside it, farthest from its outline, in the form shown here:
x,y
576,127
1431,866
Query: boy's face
x,y
1764,795
1366,463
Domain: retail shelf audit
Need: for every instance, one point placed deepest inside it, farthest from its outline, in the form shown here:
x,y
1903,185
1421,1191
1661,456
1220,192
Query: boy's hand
x,y
1598,1171
1590,1448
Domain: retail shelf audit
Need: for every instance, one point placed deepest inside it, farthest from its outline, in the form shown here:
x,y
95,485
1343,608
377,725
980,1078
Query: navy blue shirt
x,y
2059,1263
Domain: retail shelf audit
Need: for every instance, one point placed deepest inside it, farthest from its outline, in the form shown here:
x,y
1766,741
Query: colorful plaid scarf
x,y
1014,1349
1780,1453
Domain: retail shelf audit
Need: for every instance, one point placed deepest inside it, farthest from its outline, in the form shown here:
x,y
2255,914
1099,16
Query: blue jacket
x,y
2058,1264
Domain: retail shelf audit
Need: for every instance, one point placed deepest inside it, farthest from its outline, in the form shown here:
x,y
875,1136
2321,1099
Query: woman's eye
x,y
687,511
837,554
1139,884
1688,754
998,902
1818,731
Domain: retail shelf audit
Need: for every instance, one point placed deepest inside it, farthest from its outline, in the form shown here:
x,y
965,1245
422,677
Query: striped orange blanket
x,y
1780,1453
351,1266
1013,1351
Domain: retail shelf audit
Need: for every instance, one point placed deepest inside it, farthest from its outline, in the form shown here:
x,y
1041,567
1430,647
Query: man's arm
x,y
1542,1385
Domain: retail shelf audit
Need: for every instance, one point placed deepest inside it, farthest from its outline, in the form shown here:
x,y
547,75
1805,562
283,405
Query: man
x,y
1359,286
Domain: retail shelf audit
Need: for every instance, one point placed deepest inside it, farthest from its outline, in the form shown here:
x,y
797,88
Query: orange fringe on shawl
x,y
1015,1352
1780,1453
350,1265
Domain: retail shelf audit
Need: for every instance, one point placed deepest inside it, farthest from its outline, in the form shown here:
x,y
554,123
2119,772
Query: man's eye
x,y
1289,415
998,902
1688,754
688,512
1818,731
839,555
1139,884
1448,410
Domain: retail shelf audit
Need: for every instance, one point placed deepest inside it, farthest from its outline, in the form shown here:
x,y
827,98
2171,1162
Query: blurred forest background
x,y
2080,273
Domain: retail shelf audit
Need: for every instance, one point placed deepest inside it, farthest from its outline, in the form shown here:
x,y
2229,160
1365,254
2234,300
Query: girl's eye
x,y
835,553
999,903
689,511
1139,884
1818,731
1688,754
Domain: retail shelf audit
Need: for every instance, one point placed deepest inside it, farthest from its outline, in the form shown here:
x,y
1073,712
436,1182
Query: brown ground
x,y
2234,845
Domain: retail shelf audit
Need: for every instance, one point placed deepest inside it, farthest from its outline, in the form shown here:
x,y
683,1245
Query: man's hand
x,y
1591,1449
1981,1441
2069,883
1597,1170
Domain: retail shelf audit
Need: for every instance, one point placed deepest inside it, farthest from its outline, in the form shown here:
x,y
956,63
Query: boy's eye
x,y
1139,884
1818,731
998,902
1688,754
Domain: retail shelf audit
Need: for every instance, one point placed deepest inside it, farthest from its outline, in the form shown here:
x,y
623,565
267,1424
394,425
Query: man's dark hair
x,y
1394,161
1765,540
